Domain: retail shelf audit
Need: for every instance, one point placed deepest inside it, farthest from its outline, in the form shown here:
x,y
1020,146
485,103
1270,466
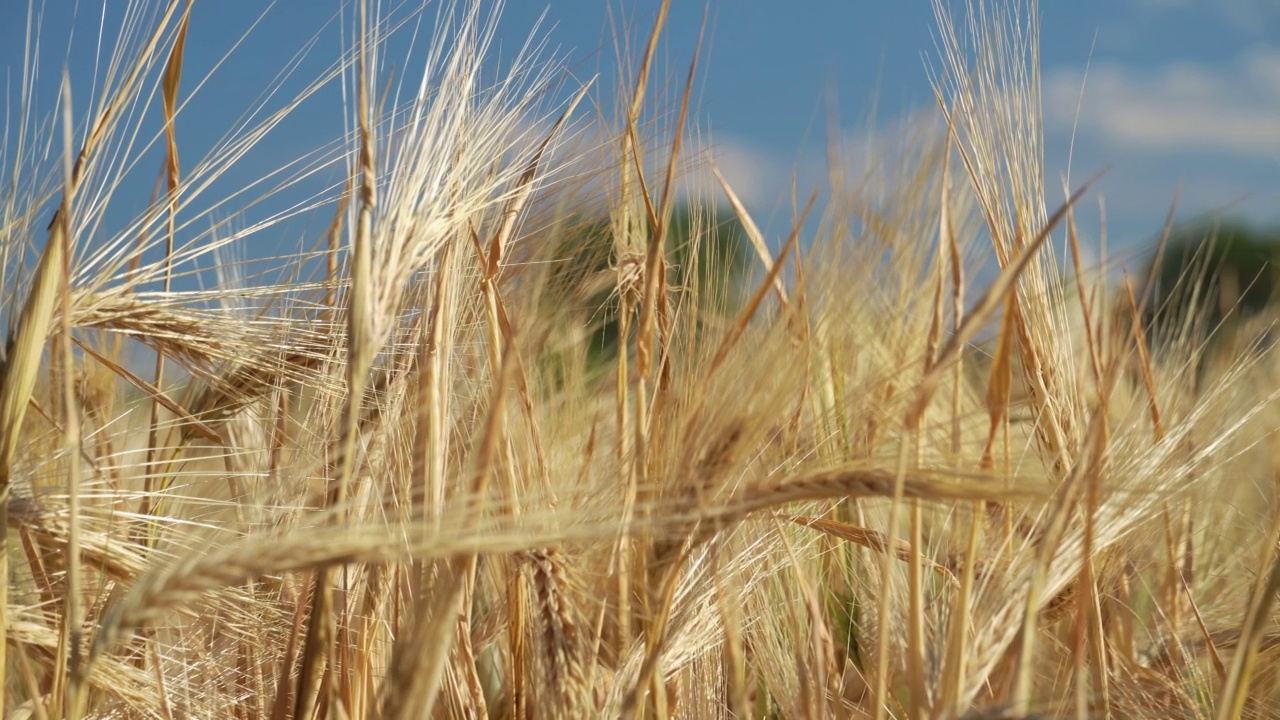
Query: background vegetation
x,y
1210,276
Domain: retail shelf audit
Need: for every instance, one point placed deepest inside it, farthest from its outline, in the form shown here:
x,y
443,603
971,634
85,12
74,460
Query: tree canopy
x,y
1212,275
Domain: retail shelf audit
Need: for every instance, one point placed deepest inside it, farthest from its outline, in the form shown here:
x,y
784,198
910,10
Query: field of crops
x,y
528,429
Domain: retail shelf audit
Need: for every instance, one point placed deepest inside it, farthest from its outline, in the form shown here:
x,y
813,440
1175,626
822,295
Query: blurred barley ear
x,y
22,363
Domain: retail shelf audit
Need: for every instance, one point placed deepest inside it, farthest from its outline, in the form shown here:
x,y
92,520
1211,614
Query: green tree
x,y
1210,277
706,248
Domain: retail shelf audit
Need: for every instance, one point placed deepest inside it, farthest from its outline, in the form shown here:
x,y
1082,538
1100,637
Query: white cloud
x,y
752,173
759,176
1180,107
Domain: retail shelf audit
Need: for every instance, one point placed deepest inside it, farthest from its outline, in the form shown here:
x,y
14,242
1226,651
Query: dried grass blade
x,y
1066,504
526,399
631,137
317,659
996,236
169,96
749,310
1209,645
25,347
681,118
1086,309
655,631
1144,359
420,653
651,212
753,231
169,102
73,617
866,483
1000,384
655,253
524,185
154,394
21,366
871,540
642,78
1235,691
986,307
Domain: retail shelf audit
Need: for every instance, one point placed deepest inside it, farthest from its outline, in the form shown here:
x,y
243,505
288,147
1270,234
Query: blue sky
x,y
1178,92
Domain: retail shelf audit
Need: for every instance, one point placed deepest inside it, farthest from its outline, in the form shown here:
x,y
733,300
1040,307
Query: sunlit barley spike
x,y
561,662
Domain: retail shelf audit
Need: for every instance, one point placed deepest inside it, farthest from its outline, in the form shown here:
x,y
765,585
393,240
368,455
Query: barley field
x,y
517,433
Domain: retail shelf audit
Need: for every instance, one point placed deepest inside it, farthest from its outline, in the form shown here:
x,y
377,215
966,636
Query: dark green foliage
x,y
716,262
846,614
1211,277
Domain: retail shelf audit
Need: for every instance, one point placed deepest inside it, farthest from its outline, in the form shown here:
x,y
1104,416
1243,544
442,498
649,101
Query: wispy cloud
x,y
1233,109
751,171
760,176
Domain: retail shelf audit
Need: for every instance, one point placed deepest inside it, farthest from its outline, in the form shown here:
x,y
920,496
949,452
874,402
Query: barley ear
x,y
22,361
